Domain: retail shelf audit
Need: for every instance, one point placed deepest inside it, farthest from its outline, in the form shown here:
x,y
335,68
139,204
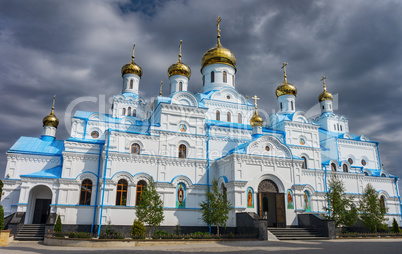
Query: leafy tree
x,y
395,227
138,230
372,214
340,207
58,227
150,207
215,209
1,217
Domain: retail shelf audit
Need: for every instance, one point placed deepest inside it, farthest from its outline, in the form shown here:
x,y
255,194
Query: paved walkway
x,y
342,246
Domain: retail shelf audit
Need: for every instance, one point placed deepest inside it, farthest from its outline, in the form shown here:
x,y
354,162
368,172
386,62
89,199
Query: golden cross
x,y
180,50
323,79
160,91
284,68
54,99
133,52
255,98
219,31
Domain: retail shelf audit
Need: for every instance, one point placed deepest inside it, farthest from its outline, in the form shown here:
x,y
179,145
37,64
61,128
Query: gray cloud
x,y
76,48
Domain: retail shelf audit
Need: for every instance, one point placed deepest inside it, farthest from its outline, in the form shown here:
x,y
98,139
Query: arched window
x,y
135,148
233,77
383,175
212,77
239,118
140,189
322,106
338,126
182,151
225,77
129,111
291,105
334,126
203,80
345,168
123,111
218,115
333,167
86,191
366,174
341,127
224,191
281,105
131,83
229,116
382,203
304,162
121,195
180,86
134,112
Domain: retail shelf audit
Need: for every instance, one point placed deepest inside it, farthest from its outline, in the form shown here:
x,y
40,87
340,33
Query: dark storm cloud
x,y
76,48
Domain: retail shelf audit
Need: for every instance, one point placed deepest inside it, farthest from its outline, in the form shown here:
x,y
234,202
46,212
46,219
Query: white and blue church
x,y
275,169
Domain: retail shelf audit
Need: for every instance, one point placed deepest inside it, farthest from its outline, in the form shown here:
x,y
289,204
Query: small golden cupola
x,y
51,120
218,54
132,67
325,95
256,120
179,68
285,88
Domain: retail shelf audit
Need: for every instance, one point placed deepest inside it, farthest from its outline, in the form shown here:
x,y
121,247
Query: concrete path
x,y
366,246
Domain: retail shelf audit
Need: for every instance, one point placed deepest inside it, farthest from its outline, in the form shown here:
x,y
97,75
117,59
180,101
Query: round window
x,y
350,161
302,141
364,162
95,134
228,97
267,148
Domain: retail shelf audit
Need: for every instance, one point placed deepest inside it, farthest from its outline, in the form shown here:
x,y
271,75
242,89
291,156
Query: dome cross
x,y
284,69
323,82
181,41
255,98
160,90
219,31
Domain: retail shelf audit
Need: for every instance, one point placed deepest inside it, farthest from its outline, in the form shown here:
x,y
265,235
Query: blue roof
x,y
37,146
47,173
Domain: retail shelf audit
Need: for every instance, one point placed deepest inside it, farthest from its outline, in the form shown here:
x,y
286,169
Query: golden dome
x,y
325,95
285,88
131,67
51,119
179,68
256,120
218,54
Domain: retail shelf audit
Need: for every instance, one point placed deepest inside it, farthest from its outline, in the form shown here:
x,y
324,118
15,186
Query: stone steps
x,y
31,232
296,234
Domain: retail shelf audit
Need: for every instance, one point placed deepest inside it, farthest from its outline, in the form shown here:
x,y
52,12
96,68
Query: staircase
x,y
296,234
31,232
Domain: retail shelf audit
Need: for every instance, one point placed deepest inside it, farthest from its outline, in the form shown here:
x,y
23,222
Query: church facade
x,y
276,169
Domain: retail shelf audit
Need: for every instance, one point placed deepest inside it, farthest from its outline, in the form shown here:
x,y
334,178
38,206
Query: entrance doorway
x,y
42,209
40,198
271,204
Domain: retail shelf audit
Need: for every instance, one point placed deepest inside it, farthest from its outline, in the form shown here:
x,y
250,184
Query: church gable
x,y
269,146
185,99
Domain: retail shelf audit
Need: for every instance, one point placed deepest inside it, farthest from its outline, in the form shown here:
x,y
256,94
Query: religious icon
x,y
306,202
180,196
250,203
183,128
290,199
302,141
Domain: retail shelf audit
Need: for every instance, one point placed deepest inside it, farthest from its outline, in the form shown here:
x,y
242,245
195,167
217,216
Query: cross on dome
x,y
255,98
160,91
284,69
218,30
181,41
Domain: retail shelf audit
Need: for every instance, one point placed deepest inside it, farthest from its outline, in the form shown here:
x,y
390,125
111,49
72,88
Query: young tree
x,y
340,207
150,207
372,214
58,227
215,209
395,227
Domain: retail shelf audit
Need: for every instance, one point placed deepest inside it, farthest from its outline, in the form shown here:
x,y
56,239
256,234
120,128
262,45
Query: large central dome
x,y
218,54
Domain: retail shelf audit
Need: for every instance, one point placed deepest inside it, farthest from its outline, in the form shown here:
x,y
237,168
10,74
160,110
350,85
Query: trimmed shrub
x,y
395,227
58,227
138,230
160,234
110,233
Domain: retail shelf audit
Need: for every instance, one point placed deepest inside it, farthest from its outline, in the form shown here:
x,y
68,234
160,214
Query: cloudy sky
x,y
75,49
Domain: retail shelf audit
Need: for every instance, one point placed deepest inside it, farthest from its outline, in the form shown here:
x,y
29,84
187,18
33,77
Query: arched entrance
x,y
40,198
271,204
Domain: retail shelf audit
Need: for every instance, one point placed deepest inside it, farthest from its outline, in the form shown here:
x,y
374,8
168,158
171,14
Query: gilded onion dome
x,y
325,95
132,67
218,54
51,119
179,68
256,120
285,88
